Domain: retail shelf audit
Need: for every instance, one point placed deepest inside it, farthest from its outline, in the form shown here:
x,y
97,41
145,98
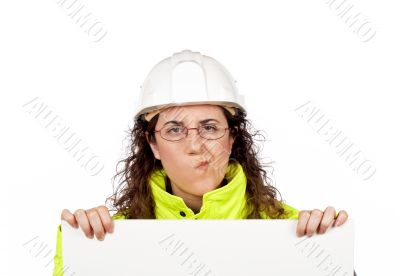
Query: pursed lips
x,y
202,165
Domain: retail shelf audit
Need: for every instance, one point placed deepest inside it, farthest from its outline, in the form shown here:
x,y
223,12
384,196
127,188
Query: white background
x,y
282,56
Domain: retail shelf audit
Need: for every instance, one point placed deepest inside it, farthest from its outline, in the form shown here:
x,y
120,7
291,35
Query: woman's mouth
x,y
203,165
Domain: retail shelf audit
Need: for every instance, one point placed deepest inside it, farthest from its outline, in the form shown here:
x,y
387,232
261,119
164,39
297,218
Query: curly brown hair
x,y
133,197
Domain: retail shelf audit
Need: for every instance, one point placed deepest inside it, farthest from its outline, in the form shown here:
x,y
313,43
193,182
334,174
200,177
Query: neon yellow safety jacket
x,y
226,202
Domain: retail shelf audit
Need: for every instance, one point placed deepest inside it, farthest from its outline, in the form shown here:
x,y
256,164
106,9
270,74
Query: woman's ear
x,y
231,141
153,146
232,137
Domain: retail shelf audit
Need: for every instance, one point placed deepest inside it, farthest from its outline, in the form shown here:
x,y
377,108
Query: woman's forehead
x,y
192,113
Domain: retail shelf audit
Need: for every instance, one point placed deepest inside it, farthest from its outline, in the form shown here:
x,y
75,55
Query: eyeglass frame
x,y
187,133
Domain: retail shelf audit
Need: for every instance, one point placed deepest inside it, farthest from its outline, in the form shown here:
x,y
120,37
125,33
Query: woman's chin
x,y
203,187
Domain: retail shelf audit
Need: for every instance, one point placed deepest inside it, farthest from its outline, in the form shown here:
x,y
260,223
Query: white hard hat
x,y
188,78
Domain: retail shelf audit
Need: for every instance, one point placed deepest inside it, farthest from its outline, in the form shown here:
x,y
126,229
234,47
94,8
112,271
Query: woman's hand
x,y
95,221
318,221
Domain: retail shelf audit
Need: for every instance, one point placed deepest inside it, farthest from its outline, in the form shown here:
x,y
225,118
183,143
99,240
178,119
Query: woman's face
x,y
194,164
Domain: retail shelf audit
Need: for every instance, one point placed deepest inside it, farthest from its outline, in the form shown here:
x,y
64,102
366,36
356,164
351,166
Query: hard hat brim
x,y
149,114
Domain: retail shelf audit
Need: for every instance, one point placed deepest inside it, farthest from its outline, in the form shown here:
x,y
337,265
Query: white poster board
x,y
208,247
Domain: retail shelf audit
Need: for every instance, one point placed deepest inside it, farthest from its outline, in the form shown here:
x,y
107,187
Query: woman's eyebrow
x,y
208,120
175,122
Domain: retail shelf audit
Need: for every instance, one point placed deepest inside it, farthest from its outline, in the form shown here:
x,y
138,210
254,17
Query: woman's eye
x,y
210,128
174,130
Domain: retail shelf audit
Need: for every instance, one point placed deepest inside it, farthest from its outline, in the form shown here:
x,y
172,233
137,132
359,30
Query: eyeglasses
x,y
178,132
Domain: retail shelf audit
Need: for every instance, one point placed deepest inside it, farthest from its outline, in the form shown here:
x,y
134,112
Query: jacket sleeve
x,y
290,212
58,259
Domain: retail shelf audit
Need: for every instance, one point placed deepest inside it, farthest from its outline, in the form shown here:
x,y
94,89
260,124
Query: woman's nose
x,y
195,133
194,141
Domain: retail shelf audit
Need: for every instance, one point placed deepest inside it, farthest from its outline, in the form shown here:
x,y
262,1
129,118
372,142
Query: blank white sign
x,y
209,247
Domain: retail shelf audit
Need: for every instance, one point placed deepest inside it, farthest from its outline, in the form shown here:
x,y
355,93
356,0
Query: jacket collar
x,y
226,202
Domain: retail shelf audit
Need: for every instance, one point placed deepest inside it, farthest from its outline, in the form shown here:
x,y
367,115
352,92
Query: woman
x,y
193,156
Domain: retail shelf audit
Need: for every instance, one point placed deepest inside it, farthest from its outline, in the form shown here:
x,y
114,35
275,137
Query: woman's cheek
x,y
172,157
220,152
